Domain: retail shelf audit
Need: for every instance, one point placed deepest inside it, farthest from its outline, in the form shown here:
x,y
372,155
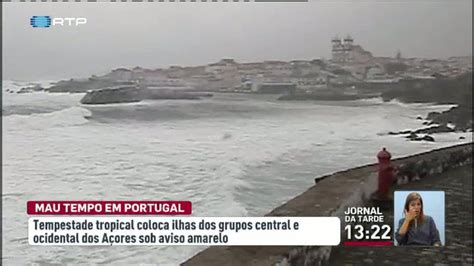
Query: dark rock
x,y
112,95
434,129
462,137
460,115
426,123
400,132
30,89
419,118
428,138
412,136
129,94
432,115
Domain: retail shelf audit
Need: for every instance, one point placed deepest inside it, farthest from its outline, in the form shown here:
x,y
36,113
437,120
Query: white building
x,y
149,76
277,68
310,83
119,74
250,70
304,68
225,74
346,52
375,72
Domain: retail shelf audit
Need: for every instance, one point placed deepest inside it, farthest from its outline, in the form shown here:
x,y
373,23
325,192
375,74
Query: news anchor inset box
x,y
419,218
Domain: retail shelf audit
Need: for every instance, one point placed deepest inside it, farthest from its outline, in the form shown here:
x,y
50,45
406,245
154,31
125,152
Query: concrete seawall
x,y
329,197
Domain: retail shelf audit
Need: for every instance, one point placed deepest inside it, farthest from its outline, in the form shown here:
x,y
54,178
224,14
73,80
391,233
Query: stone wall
x,y
329,197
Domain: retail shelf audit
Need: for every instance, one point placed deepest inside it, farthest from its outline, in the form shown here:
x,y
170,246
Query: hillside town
x,y
350,65
351,73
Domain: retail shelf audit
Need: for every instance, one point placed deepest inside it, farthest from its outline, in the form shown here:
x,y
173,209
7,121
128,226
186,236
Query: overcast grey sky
x,y
157,35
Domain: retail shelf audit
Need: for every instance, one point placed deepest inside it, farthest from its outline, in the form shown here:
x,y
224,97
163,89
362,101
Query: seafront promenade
x,y
448,169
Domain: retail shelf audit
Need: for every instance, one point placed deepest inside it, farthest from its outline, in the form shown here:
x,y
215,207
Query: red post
x,y
385,172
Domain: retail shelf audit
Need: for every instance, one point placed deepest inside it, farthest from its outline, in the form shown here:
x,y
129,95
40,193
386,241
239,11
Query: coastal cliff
x,y
456,90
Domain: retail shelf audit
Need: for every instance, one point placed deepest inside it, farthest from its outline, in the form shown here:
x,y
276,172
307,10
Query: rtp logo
x,y
40,21
47,21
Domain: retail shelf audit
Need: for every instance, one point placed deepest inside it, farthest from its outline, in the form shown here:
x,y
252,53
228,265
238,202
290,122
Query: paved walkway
x,y
457,184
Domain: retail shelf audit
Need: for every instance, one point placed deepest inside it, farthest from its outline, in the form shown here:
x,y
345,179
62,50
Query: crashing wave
x,y
72,116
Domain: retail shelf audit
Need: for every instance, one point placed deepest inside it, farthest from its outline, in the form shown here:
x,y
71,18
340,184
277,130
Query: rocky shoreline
x,y
325,97
456,91
444,125
103,91
414,135
441,90
131,94
460,116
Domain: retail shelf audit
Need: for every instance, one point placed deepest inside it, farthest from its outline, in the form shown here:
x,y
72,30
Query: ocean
x,y
230,155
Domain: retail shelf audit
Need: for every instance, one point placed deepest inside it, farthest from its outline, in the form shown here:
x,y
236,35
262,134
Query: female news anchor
x,y
416,228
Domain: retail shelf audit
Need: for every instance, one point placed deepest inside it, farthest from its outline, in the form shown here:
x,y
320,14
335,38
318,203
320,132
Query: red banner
x,y
368,243
109,207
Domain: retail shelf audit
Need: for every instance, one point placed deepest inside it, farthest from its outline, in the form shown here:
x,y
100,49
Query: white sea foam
x,y
17,85
71,116
270,157
374,100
